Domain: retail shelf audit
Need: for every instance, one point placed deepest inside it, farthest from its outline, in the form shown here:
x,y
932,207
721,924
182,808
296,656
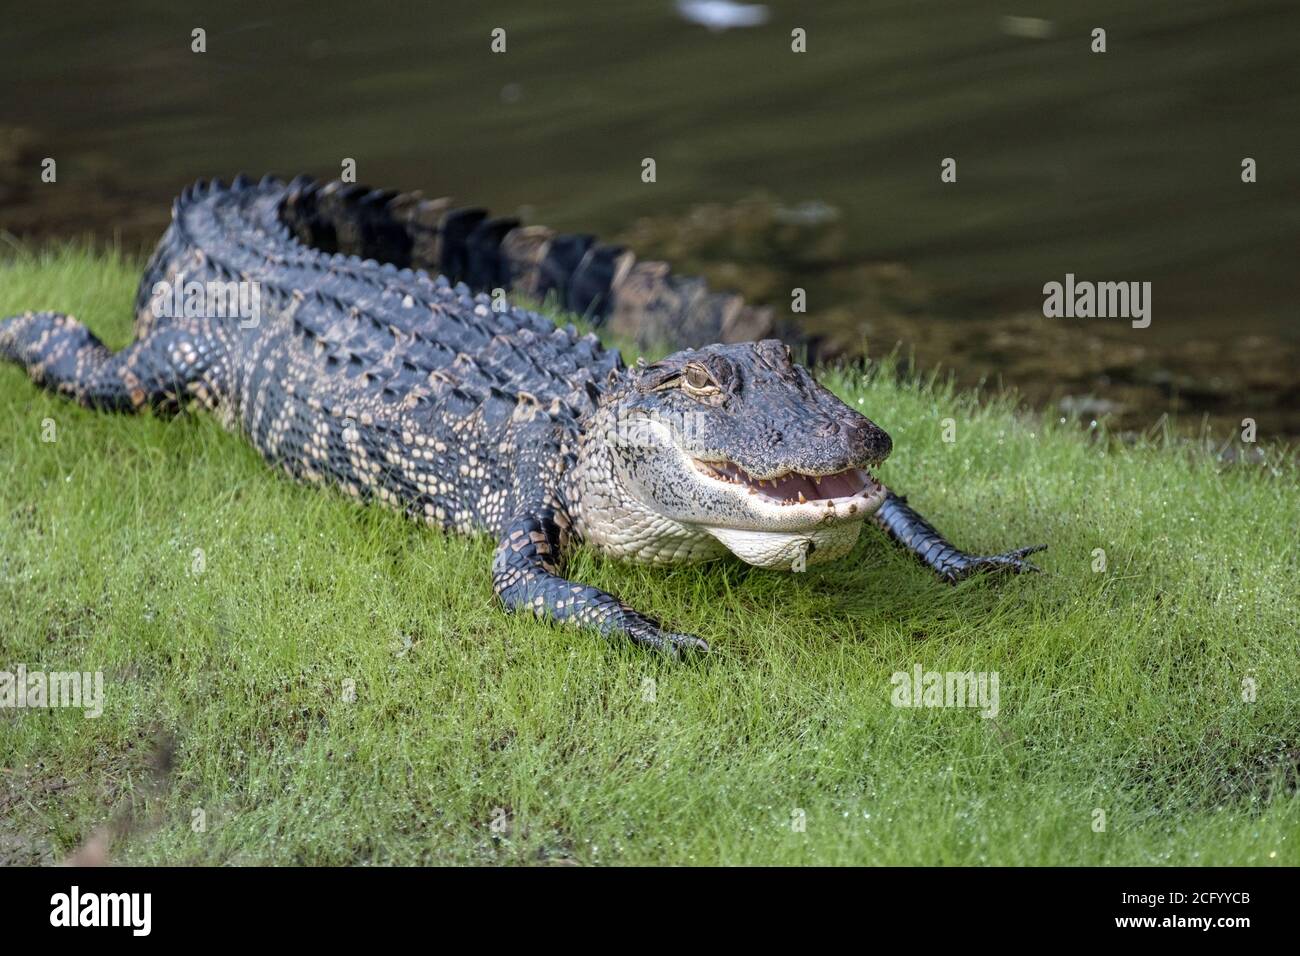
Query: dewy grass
x,y
289,678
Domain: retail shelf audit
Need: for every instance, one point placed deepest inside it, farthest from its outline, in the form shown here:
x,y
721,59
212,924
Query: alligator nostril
x,y
874,441
884,444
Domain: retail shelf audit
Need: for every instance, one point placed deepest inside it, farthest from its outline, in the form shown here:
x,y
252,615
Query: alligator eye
x,y
699,380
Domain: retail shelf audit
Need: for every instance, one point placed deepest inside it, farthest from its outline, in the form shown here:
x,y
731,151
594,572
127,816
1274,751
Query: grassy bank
x,y
474,737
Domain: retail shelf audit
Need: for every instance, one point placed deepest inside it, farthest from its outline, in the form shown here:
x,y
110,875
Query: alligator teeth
x,y
794,487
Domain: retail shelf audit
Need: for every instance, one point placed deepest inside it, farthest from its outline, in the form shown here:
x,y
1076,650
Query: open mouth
x,y
795,488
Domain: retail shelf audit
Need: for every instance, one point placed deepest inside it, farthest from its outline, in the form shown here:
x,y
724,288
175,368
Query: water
x,y
1116,166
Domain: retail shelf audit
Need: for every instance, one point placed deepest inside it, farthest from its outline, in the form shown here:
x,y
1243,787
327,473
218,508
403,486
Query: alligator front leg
x,y
951,564
526,577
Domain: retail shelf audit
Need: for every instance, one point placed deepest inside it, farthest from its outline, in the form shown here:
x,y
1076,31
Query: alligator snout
x,y
824,445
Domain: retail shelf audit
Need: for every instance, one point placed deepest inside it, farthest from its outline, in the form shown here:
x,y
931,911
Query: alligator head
x,y
742,444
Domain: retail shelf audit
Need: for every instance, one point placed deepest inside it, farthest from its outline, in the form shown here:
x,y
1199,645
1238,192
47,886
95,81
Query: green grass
x,y
1120,691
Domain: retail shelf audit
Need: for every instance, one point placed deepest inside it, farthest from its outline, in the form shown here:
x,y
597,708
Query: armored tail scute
x,y
643,301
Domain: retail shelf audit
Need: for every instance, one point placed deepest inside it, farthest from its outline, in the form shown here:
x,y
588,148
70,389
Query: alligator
x,y
369,364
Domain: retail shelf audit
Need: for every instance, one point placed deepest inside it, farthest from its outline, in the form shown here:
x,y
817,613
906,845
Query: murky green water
x,y
1115,166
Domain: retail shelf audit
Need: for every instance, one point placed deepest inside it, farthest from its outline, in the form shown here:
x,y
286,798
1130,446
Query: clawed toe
x,y
1008,561
1023,552
684,645
677,646
1012,561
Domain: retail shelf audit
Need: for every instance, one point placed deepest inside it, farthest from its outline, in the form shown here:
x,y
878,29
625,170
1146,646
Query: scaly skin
x,y
478,417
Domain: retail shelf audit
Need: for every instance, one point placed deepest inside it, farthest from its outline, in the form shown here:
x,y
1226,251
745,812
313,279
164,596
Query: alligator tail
x,y
642,301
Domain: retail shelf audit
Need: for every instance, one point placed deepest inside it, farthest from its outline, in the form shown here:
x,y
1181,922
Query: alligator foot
x,y
963,565
526,577
674,645
950,563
